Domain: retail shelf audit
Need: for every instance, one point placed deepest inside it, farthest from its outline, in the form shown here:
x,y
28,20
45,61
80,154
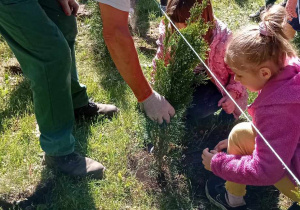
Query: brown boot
x,y
93,109
75,165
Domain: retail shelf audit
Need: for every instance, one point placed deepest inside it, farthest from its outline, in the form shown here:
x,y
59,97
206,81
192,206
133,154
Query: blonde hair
x,y
255,45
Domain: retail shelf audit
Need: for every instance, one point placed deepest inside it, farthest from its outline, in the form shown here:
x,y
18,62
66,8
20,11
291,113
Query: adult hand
x,y
70,7
227,104
158,108
206,158
221,145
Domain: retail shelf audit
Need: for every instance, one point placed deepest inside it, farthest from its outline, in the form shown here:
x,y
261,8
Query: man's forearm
x,y
124,55
122,50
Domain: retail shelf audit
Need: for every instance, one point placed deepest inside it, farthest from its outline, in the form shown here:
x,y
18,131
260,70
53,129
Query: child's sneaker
x,y
217,194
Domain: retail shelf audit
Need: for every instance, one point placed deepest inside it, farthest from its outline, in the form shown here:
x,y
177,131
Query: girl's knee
x,y
242,130
241,139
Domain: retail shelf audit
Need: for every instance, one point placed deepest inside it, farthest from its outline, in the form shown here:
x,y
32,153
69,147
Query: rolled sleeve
x,y
123,5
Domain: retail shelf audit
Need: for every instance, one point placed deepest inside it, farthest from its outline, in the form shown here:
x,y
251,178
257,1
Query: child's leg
x,y
241,141
286,186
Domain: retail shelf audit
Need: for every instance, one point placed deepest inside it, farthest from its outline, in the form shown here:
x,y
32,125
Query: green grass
x,y
131,179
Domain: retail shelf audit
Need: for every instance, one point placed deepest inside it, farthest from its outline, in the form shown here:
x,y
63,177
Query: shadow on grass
x,y
19,102
55,190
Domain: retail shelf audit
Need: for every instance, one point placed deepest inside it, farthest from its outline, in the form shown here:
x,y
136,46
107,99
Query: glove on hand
x,y
158,108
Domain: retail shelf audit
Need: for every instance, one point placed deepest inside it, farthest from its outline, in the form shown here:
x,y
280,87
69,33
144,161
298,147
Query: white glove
x,y
158,108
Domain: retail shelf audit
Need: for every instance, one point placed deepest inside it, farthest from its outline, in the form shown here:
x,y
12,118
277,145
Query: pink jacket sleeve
x,y
281,130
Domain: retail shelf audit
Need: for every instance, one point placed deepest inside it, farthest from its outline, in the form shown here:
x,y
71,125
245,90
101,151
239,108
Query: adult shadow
x,y
56,190
19,102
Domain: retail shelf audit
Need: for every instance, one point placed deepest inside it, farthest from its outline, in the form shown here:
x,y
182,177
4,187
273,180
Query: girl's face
x,y
180,25
253,80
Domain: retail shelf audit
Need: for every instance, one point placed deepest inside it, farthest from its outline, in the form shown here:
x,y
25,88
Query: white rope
x,y
216,79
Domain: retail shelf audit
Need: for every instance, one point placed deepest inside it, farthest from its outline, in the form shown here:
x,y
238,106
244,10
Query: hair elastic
x,y
263,29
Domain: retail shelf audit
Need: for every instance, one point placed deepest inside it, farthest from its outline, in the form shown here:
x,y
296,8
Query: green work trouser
x,y
42,38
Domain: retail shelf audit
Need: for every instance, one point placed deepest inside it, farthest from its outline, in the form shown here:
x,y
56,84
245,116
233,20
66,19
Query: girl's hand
x,y
221,145
206,158
227,104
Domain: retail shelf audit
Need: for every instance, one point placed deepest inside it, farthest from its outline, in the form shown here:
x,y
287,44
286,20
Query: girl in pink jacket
x,y
208,98
263,60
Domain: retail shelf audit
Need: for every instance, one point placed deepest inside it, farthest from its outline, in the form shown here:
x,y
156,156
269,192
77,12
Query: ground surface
x,y
131,182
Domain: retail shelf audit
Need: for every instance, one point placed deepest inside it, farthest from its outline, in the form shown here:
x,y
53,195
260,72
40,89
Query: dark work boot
x,y
75,165
93,109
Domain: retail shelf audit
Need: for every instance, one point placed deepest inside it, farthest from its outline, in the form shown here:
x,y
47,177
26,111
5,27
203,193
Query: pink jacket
x,y
276,113
215,62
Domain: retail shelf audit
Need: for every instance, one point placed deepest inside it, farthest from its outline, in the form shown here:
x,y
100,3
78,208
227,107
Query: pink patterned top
x,y
221,35
291,9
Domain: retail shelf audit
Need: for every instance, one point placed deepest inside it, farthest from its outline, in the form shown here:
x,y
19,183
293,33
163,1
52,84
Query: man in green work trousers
x,y
42,37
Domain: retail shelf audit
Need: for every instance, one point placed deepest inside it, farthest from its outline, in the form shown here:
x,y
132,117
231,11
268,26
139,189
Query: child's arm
x,y
262,167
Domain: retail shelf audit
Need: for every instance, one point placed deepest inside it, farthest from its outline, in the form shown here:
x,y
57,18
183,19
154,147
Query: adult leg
x,y
68,26
45,58
35,39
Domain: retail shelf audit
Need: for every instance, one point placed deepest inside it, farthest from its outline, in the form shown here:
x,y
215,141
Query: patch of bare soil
x,y
140,163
